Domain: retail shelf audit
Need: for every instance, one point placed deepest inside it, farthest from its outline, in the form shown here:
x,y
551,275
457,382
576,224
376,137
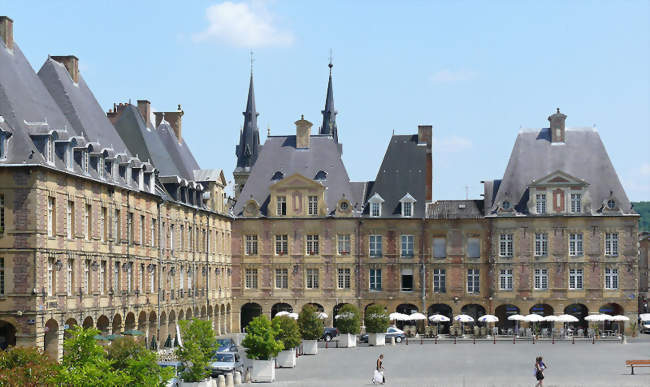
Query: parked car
x,y
329,334
398,334
176,365
225,363
644,327
227,345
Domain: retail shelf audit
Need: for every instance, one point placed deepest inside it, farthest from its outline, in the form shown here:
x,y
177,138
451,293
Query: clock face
x,y
344,205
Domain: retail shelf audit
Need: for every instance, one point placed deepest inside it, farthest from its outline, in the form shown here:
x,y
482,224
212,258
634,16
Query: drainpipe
x,y
358,263
423,265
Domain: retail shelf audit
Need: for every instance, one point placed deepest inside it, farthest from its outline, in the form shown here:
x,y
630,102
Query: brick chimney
x,y
303,133
116,112
7,31
557,121
174,119
71,64
425,136
145,110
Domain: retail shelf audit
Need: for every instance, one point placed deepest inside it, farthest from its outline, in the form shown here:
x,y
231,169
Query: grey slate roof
x,y
208,174
456,209
279,153
583,156
179,152
402,171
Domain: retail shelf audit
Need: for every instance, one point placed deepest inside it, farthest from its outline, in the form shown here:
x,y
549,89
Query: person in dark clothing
x,y
539,371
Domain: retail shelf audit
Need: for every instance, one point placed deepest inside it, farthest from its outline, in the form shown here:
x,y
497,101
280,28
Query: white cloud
x,y
645,169
243,25
449,76
451,144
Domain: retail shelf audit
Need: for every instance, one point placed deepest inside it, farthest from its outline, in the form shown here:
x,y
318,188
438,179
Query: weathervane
x,y
330,65
252,60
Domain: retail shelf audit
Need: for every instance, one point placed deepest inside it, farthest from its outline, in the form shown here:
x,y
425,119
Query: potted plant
x,y
289,336
261,347
311,329
199,345
349,324
376,321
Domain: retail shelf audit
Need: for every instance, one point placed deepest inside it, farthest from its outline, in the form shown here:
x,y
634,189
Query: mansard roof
x,y
582,156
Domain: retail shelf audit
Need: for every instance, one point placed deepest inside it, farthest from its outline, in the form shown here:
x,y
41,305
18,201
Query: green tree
x,y
349,320
260,342
199,345
376,319
311,327
85,364
26,366
132,357
288,331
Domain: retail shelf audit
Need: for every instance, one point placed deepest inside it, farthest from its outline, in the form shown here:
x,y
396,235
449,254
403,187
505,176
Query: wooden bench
x,y
637,363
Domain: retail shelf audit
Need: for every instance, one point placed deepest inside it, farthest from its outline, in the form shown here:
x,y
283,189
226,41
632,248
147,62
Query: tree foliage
x,y
260,341
311,327
643,208
26,366
376,319
132,357
288,331
349,320
199,345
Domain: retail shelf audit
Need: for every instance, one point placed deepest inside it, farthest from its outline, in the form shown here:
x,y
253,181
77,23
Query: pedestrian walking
x,y
378,377
539,371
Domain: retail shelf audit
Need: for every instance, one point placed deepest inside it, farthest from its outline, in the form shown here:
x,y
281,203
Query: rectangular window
x,y
505,279
575,279
182,278
375,279
611,278
69,277
143,277
375,209
281,278
142,225
84,161
541,279
171,237
576,203
407,245
439,281
313,205
343,244
152,279
69,219
2,212
312,244
251,278
375,246
87,283
407,280
575,245
182,235
117,227
473,281
2,276
102,277
251,244
541,244
116,277
102,224
312,278
281,209
51,281
153,232
51,207
281,244
439,248
49,150
344,278
611,244
88,221
505,245
129,227
473,248
407,209
190,277
540,203
129,277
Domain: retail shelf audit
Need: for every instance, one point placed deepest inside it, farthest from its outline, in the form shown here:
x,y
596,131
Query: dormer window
x,y
128,175
375,205
152,183
281,208
312,205
321,176
277,176
540,203
100,167
506,205
84,161
49,150
141,180
576,203
108,166
611,204
407,205
69,157
3,145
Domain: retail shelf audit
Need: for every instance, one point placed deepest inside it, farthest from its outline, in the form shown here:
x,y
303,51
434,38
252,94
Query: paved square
x,y
481,364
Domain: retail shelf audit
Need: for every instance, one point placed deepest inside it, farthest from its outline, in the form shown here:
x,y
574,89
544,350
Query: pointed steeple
x,y
329,114
249,141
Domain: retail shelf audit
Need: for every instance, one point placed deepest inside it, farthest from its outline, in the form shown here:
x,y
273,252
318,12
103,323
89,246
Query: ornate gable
x,y
293,197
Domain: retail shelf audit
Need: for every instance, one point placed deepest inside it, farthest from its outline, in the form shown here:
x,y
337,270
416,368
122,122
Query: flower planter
x,y
347,340
310,347
286,359
377,339
263,371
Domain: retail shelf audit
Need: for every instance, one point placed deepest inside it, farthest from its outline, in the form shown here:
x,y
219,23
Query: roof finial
x,y
252,60
268,129
330,65
558,110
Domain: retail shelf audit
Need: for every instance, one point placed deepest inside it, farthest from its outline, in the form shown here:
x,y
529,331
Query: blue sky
x,y
476,71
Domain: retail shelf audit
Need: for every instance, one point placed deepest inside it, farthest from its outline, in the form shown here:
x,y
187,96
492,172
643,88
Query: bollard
x,y
533,339
229,380
436,340
573,339
392,341
237,378
247,378
553,339
337,342
407,341
514,339
221,381
421,340
474,339
455,339
494,338
593,339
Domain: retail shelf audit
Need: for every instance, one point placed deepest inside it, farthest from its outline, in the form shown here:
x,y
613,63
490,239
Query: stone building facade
x,y
99,227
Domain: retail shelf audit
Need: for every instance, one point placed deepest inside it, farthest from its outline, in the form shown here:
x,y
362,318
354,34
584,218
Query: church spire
x,y
329,113
249,140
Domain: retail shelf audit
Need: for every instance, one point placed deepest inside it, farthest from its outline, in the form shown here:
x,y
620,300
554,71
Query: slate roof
x,y
456,209
583,156
178,151
208,175
279,153
402,171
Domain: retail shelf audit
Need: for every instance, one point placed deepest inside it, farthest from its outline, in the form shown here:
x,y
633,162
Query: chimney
x,y
557,121
145,110
173,119
71,63
7,31
425,136
116,112
303,133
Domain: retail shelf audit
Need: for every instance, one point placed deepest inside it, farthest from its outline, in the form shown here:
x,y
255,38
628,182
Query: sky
x,y
478,71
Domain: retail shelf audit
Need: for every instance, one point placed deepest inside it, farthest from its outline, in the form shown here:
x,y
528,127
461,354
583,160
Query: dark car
x,y
390,332
227,345
329,334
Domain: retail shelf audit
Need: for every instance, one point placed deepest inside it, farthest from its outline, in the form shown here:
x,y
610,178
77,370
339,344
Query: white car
x,y
645,323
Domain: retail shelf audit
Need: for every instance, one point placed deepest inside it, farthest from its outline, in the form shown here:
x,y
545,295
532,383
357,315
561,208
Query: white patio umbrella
x,y
322,315
438,318
488,318
533,318
417,316
396,316
551,318
516,318
463,318
600,317
282,313
293,315
566,318
618,318
344,315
